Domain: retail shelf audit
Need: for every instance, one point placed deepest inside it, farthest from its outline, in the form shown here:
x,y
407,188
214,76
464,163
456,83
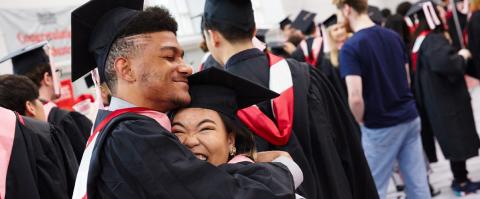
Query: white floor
x,y
441,177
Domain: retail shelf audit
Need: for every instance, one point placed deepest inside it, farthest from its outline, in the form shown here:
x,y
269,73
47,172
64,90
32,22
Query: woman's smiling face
x,y
204,133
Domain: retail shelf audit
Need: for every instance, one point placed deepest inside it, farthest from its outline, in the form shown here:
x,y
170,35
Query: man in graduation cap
x,y
37,160
33,61
308,119
310,50
131,152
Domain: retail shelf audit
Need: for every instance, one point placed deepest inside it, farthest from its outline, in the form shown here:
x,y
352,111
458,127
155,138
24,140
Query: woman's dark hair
x,y
403,8
244,140
398,24
230,32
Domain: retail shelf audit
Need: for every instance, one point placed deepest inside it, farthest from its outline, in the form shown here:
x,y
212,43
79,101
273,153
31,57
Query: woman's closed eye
x,y
207,128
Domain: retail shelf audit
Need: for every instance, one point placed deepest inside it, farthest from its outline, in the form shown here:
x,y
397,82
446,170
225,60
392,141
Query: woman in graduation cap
x,y
441,92
210,128
336,35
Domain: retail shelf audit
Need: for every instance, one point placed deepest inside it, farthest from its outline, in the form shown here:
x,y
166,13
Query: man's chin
x,y
182,101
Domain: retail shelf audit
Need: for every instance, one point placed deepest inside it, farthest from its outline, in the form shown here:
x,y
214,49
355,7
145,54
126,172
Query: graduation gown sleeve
x,y
137,158
474,44
36,168
333,125
450,63
76,127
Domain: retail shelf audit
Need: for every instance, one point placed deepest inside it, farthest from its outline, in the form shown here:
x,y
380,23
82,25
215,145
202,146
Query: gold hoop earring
x,y
233,151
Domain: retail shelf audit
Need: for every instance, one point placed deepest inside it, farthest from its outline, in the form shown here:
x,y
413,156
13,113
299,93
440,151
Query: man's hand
x,y
268,156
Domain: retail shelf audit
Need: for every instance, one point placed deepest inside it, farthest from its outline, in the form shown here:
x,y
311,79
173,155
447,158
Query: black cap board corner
x,y
285,22
304,21
221,91
95,26
28,57
332,20
238,13
261,34
418,7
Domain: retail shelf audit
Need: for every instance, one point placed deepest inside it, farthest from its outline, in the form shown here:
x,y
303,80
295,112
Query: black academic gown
x,y
76,126
299,55
333,74
326,139
442,95
210,62
473,30
39,166
135,157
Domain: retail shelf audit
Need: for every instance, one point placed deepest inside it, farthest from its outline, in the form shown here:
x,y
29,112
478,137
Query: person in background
x,y
207,59
310,49
462,19
386,13
374,65
403,8
439,83
292,36
20,94
473,38
397,23
49,167
336,35
309,119
33,61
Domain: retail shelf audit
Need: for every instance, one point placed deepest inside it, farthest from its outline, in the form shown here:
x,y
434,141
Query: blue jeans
x,y
403,143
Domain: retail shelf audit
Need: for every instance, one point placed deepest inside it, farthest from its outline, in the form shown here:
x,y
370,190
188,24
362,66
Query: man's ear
x,y
47,79
215,37
123,68
30,109
346,10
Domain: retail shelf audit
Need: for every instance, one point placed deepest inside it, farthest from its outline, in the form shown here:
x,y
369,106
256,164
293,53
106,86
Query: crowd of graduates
x,y
330,110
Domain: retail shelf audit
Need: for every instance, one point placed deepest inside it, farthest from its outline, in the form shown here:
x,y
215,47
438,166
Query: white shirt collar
x,y
117,103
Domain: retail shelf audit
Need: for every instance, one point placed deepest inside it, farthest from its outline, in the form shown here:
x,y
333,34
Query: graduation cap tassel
x,y
55,75
428,16
409,22
435,18
98,91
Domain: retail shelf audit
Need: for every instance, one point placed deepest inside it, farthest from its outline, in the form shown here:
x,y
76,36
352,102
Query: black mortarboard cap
x,y
261,34
332,20
304,21
27,58
418,7
285,22
429,12
375,14
224,92
237,13
95,26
